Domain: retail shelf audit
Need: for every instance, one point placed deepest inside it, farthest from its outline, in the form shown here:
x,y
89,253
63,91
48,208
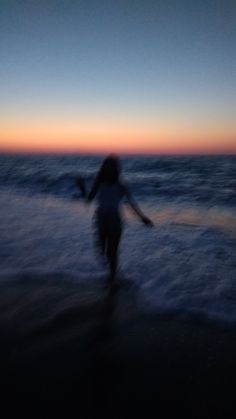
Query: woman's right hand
x,y
81,185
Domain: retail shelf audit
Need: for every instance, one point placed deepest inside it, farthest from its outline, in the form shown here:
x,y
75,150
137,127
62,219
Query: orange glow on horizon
x,y
98,136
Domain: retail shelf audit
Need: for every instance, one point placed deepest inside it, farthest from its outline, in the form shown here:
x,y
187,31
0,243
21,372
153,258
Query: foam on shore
x,y
186,264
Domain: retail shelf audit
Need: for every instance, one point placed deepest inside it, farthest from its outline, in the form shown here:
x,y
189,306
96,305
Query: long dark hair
x,y
110,170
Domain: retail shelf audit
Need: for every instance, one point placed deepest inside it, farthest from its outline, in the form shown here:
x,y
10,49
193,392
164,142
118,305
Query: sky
x,y
143,76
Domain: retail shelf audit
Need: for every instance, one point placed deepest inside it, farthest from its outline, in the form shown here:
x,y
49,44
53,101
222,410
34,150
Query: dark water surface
x,y
186,263
163,344
199,180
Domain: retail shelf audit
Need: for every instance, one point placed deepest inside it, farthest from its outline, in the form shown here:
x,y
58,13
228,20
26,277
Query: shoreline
x,y
73,350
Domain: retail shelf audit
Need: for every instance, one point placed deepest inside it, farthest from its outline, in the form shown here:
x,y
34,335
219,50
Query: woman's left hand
x,y
147,221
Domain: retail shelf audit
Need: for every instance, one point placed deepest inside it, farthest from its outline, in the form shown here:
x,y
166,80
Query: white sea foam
x,y
186,263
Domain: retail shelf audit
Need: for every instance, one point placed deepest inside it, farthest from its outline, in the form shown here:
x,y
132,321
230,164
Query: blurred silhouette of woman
x,y
109,191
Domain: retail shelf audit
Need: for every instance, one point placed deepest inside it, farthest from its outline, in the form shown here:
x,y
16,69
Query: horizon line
x,y
121,153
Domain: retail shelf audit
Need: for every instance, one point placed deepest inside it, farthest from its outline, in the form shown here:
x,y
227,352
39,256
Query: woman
x,y
109,191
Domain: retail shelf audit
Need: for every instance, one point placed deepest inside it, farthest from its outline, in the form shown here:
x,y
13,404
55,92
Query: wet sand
x,y
81,351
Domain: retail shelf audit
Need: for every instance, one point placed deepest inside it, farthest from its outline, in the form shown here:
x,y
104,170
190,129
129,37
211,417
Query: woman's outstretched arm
x,y
88,196
91,195
133,204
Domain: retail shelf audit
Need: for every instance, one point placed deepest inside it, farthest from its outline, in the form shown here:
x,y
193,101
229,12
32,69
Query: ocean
x,y
185,264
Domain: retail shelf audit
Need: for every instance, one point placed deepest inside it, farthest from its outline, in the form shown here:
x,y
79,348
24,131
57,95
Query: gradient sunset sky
x,y
127,76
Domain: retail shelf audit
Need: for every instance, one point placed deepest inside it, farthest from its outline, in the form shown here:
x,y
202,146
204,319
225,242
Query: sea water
x,y
186,263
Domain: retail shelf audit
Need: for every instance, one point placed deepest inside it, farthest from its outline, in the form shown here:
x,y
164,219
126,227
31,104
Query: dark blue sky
x,y
165,61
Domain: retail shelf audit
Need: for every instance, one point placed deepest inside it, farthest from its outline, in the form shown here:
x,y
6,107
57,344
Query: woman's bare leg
x,y
112,254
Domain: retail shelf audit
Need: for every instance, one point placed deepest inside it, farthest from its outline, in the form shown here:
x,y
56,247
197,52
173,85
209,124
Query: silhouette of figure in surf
x,y
109,190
